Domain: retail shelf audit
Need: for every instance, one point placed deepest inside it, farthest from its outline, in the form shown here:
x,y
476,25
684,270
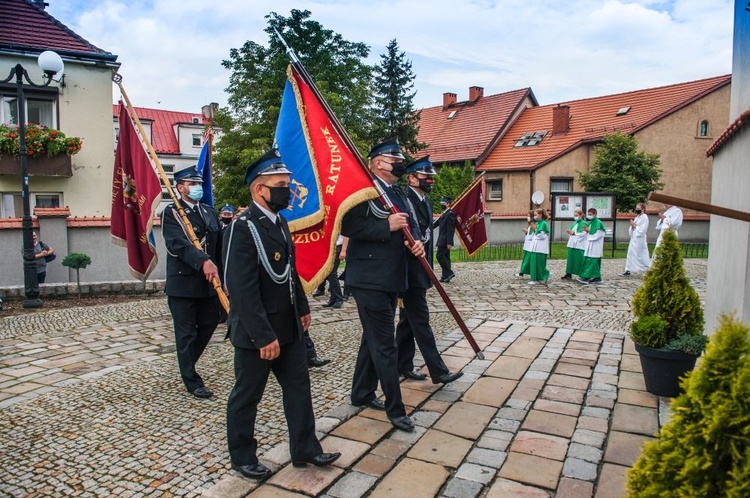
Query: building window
x,y
530,139
495,190
41,111
12,205
703,129
197,140
561,185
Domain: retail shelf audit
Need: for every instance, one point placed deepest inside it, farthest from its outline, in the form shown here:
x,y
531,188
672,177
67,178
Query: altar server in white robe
x,y
670,218
638,260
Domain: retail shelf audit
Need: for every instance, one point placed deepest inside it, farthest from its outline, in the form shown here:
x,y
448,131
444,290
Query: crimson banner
x,y
469,210
136,193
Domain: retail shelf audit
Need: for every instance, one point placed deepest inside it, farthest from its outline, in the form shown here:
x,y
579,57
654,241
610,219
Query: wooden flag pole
x,y
700,206
383,198
223,299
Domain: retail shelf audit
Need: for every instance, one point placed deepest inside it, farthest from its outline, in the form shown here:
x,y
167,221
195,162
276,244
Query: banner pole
x,y
223,299
383,198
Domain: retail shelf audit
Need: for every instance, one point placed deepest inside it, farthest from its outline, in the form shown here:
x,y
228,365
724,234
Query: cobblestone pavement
x,y
91,403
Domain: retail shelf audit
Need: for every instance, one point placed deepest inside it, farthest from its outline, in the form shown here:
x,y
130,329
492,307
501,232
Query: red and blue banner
x,y
136,193
327,178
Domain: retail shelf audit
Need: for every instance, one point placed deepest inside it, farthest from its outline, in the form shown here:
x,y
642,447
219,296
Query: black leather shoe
x,y
317,362
318,293
375,404
403,423
202,392
626,274
567,276
450,277
446,378
253,470
414,375
319,461
337,304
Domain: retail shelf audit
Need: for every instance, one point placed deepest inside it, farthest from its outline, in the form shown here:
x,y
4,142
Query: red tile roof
x,y
742,120
27,27
163,133
469,132
52,212
590,120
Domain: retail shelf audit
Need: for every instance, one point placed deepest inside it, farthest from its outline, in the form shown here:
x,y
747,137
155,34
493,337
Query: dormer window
x,y
530,139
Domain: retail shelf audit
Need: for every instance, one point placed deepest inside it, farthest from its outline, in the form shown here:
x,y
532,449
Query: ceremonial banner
x,y
469,210
136,192
327,179
204,169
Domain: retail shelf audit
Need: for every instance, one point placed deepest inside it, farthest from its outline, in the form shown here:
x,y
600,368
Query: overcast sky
x,y
171,50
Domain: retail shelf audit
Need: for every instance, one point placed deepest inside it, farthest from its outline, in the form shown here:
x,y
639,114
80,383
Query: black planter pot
x,y
663,369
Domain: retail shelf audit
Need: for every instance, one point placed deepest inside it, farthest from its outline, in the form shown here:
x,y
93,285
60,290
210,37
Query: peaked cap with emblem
x,y
422,165
389,148
227,208
269,163
189,174
446,200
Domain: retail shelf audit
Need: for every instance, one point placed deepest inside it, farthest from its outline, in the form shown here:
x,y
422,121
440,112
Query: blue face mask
x,y
195,192
576,218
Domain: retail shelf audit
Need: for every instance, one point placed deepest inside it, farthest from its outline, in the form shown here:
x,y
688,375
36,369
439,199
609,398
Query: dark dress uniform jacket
x,y
261,309
376,257
185,277
447,226
423,209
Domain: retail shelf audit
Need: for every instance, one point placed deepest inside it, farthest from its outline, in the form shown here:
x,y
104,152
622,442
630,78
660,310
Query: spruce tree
x,y
704,449
394,111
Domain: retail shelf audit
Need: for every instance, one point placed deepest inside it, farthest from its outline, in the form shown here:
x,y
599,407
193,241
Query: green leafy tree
x,y
450,182
619,167
703,450
256,85
77,261
394,106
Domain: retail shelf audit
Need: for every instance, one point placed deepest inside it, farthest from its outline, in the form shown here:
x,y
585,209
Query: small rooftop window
x,y
450,116
623,111
530,139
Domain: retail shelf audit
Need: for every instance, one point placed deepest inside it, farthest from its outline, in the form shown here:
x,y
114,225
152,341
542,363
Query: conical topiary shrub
x,y
704,451
666,293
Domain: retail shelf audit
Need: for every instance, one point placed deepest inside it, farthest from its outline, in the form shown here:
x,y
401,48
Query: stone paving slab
x,y
107,416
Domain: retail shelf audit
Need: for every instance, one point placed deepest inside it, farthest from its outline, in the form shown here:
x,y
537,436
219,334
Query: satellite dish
x,y
537,197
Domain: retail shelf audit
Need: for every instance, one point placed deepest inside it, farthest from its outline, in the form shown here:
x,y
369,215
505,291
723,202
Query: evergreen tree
x,y
619,167
394,107
703,450
256,85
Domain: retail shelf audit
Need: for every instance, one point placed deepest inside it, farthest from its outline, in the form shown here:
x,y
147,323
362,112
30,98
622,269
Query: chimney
x,y
449,99
560,119
40,3
475,93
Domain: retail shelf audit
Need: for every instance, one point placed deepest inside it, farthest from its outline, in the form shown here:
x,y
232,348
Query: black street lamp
x,y
51,63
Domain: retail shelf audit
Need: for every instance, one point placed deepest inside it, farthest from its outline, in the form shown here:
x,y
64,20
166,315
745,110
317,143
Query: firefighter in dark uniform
x,y
375,273
191,297
446,225
226,215
268,316
414,317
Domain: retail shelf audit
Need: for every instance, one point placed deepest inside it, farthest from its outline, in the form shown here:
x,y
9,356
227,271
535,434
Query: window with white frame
x,y
39,110
561,185
12,203
197,140
494,190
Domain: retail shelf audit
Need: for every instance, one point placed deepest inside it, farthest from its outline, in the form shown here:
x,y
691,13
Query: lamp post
x,y
51,63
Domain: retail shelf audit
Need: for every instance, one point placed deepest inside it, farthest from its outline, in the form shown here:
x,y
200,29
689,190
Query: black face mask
x,y
424,186
280,197
398,169
638,211
226,221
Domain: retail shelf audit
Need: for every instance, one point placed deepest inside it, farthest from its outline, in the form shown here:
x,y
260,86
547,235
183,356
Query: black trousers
x,y
195,320
444,260
377,357
309,346
333,280
251,375
414,324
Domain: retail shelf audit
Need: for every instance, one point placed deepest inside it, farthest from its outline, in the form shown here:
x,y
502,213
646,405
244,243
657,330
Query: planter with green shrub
x,y
668,329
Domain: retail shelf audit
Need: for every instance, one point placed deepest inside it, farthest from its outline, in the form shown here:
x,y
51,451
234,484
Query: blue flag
x,y
305,209
204,168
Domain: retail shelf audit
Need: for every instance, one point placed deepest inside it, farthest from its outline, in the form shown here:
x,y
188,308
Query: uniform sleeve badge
x,y
276,256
